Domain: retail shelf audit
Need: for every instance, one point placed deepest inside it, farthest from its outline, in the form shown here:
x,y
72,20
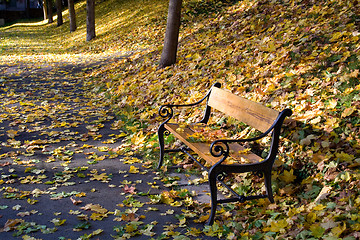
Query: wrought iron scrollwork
x,y
219,148
166,111
221,176
166,132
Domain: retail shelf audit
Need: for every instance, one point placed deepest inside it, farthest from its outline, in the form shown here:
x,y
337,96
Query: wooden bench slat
x,y
249,112
203,148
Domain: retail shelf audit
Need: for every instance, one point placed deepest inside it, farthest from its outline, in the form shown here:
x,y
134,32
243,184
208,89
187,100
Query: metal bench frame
x,y
220,148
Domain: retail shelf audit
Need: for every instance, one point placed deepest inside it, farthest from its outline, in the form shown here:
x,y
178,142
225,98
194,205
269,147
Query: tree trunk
x,y
59,12
90,19
72,15
168,56
27,8
50,11
45,10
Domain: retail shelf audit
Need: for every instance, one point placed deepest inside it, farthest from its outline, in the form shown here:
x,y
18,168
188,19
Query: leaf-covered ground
x,y
298,54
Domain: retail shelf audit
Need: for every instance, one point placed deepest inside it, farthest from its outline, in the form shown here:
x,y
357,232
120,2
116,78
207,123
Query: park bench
x,y
227,156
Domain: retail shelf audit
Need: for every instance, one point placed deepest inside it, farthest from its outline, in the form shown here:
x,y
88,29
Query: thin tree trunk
x,y
45,10
168,56
50,11
28,8
72,15
90,20
59,12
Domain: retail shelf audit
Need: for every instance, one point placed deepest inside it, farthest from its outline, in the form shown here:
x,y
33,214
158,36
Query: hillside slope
x,y
298,54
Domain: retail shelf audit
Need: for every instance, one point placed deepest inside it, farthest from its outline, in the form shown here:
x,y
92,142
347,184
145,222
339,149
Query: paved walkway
x,y
63,174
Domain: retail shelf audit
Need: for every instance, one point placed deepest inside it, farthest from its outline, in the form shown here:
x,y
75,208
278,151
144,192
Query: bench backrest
x,y
254,114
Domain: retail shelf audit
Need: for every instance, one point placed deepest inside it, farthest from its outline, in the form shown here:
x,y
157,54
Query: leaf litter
x,y
297,54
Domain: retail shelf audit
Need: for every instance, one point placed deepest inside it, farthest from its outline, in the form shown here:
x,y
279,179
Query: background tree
x,y
45,10
72,16
59,12
50,11
168,56
90,19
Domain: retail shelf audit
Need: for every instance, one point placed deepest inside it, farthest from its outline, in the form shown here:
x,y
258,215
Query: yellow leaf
x,y
336,36
100,177
311,217
332,103
138,138
121,135
96,232
355,74
271,47
331,123
319,207
288,176
348,91
103,149
97,216
32,201
58,221
201,219
131,160
12,133
344,157
317,230
338,230
276,226
82,194
196,57
347,112
133,169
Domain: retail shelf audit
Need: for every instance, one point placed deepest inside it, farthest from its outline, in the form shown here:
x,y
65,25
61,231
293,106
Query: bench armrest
x,y
166,110
221,147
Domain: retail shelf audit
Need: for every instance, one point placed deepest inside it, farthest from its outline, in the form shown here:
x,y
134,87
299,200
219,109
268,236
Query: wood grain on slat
x,y
249,112
203,149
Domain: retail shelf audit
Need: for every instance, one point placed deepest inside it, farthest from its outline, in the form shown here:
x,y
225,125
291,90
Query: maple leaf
x,y
100,177
277,226
288,176
95,208
138,138
130,190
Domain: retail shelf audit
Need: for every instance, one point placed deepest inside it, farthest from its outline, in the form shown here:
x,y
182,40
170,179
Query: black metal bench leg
x,y
161,131
267,177
213,192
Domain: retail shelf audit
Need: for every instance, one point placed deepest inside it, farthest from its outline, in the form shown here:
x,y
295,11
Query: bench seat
x,y
238,153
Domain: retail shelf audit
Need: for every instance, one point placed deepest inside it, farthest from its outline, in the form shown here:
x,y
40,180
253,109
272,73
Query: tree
x,y
50,11
90,19
59,13
45,9
72,15
168,56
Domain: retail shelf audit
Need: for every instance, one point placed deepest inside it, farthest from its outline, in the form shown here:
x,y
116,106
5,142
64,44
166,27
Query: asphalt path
x,y
63,174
